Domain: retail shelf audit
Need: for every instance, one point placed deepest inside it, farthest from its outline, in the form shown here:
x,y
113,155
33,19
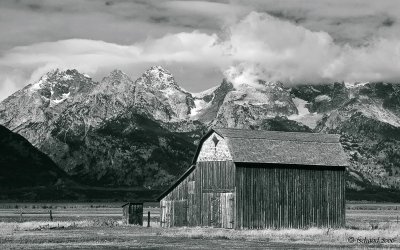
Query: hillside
x,y
23,165
27,173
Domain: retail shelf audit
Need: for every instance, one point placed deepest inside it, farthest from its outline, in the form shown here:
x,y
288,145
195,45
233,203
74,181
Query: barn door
x,y
136,214
218,210
227,206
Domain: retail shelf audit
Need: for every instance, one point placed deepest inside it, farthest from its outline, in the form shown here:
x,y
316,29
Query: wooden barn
x,y
248,179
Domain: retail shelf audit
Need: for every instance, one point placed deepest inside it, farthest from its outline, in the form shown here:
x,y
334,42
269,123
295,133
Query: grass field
x,y
24,212
99,225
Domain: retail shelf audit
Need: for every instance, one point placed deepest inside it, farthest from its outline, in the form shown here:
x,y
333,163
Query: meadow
x,y
99,225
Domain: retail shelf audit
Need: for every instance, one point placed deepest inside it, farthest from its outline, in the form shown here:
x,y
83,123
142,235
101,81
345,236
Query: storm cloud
x,y
200,42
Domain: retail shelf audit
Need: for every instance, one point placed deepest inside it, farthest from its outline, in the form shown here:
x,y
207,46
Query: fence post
x,y
51,215
148,219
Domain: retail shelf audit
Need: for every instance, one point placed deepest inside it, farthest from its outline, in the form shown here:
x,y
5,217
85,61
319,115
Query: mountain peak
x,y
159,77
117,82
116,72
260,85
158,68
64,74
57,85
116,77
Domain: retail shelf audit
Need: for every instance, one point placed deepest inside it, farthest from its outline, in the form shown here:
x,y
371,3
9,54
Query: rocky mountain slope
x,y
142,133
367,117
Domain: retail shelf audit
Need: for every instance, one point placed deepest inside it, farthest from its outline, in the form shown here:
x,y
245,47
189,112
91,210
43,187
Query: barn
x,y
247,179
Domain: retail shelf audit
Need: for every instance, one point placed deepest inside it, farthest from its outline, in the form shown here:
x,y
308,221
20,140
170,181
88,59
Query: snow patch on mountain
x,y
304,116
204,93
63,98
200,105
323,98
351,85
38,85
377,112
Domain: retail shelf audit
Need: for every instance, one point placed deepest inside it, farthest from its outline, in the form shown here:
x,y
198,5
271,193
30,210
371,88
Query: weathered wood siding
x,y
218,193
289,196
218,210
186,195
133,214
204,198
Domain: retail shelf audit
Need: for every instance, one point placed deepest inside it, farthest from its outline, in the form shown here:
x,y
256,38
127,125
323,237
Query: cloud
x,y
183,52
126,21
121,22
268,48
354,22
257,46
9,83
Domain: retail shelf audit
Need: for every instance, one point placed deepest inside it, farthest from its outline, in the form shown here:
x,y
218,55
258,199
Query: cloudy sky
x,y
201,42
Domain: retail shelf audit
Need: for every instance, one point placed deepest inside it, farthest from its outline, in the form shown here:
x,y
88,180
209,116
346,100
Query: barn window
x,y
215,140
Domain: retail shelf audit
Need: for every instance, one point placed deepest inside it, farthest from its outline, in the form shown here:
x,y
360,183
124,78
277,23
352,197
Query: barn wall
x,y
204,198
289,196
181,207
214,148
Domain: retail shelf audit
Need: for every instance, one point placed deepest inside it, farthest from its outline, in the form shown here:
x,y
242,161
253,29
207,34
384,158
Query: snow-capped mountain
x,y
247,105
141,133
158,94
242,106
208,102
68,116
29,110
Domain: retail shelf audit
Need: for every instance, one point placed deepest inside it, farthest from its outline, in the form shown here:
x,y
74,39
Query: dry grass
x,y
90,233
91,224
309,236
9,227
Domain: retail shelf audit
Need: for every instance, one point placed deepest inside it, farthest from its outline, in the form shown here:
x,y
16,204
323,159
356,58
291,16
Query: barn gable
x,y
214,148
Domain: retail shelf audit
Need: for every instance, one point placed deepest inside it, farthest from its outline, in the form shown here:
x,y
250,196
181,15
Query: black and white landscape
x,y
104,102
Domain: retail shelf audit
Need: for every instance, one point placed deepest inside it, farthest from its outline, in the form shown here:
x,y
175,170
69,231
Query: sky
x,y
201,42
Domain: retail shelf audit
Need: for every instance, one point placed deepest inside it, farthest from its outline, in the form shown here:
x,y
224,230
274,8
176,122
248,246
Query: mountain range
x,y
142,133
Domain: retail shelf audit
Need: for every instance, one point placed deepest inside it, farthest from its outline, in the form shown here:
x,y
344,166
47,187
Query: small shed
x,y
133,213
248,179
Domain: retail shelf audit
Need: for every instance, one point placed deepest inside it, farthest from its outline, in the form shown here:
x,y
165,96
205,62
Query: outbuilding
x,y
133,213
247,179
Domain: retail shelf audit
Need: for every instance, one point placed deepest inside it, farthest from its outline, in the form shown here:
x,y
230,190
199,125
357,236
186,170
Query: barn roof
x,y
133,203
259,146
